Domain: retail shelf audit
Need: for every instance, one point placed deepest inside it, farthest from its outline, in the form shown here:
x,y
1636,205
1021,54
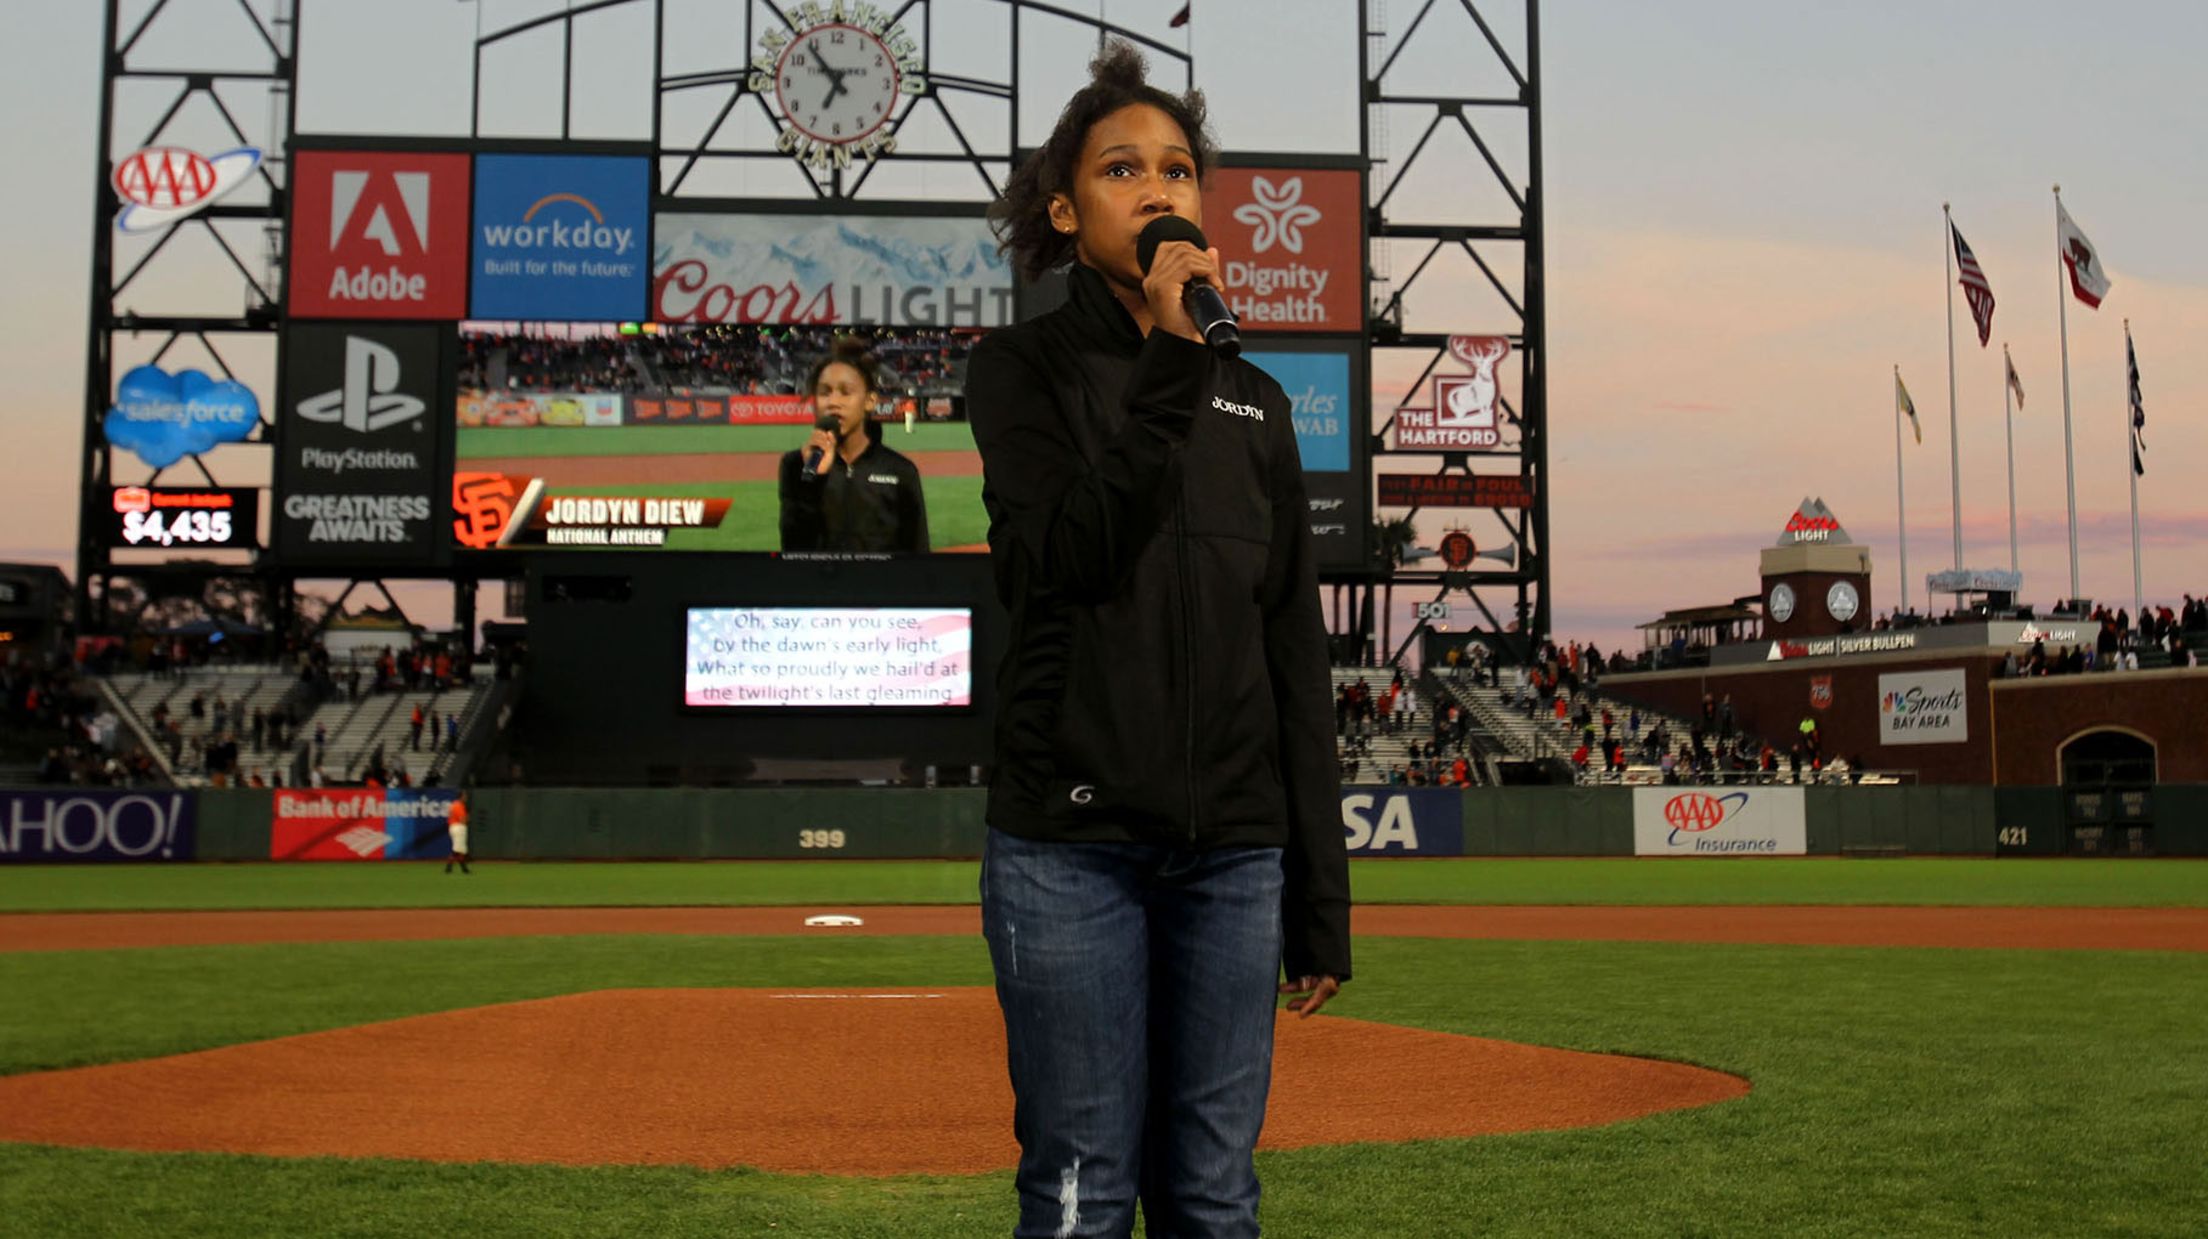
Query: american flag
x,y
1975,289
2138,409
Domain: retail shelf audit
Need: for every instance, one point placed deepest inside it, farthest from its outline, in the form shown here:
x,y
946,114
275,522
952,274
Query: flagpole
x,y
2131,470
1954,448
2069,453
1901,496
2008,421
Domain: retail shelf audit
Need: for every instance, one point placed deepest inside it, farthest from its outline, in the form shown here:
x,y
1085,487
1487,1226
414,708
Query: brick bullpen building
x,y
1933,702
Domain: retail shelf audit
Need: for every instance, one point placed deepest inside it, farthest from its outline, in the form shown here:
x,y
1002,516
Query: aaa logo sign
x,y
1678,821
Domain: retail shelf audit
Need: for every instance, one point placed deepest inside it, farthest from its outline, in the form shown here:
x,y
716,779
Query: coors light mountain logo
x,y
1813,522
380,235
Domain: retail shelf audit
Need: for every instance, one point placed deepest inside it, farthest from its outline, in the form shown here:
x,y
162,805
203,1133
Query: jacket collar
x,y
1097,310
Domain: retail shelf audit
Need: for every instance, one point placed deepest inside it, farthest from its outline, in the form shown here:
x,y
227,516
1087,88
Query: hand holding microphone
x,y
820,449
1177,280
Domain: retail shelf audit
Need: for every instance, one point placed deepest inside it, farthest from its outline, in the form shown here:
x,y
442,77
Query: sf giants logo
x,y
483,507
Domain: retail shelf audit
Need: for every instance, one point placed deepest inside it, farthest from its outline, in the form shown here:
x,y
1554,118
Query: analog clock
x,y
1781,605
1841,601
836,77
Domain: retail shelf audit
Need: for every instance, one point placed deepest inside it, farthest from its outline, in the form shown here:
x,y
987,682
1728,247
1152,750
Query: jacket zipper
x,y
1188,639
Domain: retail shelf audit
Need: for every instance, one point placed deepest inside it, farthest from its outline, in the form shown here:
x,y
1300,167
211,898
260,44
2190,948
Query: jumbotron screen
x,y
852,657
592,437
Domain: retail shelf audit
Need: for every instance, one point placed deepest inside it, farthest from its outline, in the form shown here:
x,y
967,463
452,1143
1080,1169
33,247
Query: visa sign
x,y
1417,822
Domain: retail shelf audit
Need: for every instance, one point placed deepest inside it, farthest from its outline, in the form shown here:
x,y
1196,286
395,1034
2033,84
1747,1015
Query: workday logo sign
x,y
1684,821
560,237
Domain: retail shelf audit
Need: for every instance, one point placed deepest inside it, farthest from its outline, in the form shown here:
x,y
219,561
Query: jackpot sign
x,y
380,234
1714,821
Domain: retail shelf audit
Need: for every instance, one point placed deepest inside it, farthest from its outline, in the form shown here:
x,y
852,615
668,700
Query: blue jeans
x,y
1137,983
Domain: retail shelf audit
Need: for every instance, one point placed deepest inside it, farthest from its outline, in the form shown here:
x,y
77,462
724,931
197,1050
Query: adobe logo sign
x,y
379,235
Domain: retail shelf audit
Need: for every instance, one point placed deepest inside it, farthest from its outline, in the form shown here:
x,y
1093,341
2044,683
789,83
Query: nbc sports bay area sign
x,y
1717,821
1923,707
358,452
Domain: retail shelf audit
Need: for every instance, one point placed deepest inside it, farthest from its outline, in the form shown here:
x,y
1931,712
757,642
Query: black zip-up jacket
x,y
872,504
1166,677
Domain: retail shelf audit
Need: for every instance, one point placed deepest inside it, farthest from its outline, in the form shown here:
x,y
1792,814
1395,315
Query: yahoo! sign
x,y
80,824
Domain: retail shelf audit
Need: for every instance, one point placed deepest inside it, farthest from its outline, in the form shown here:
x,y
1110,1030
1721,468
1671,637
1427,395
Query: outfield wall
x,y
76,824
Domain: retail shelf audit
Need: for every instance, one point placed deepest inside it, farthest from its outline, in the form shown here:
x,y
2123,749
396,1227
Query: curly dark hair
x,y
850,351
1020,216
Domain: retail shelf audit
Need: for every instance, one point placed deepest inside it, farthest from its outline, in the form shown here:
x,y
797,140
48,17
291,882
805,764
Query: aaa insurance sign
x,y
357,461
379,235
1714,821
560,237
1293,245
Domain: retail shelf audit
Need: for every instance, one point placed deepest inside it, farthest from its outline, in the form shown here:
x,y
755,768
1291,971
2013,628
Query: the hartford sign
x,y
1695,821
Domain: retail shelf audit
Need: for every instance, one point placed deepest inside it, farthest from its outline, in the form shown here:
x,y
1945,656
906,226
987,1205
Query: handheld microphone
x,y
1214,321
829,422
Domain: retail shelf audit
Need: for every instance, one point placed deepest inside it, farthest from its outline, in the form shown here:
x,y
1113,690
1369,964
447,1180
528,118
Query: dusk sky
x,y
1744,240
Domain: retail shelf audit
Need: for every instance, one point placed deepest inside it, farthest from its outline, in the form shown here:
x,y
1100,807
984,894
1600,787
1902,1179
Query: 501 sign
x,y
1432,610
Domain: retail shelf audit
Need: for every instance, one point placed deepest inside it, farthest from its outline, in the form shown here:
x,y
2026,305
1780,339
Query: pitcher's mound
x,y
837,1082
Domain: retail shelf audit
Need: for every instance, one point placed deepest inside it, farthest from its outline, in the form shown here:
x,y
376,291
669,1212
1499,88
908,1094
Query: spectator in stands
x,y
414,728
861,495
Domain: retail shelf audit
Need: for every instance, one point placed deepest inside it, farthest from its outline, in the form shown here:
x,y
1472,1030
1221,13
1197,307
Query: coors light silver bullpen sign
x,y
358,464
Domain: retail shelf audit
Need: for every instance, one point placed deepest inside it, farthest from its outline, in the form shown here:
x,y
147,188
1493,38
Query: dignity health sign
x,y
1923,707
353,823
1714,821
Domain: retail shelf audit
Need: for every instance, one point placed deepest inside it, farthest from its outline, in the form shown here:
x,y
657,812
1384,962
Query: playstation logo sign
x,y
368,400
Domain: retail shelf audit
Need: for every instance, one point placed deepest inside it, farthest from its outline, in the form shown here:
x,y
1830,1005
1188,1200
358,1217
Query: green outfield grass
x,y
1896,1092
490,442
1935,882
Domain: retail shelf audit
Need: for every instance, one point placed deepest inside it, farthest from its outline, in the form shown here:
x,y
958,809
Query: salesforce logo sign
x,y
162,417
560,237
